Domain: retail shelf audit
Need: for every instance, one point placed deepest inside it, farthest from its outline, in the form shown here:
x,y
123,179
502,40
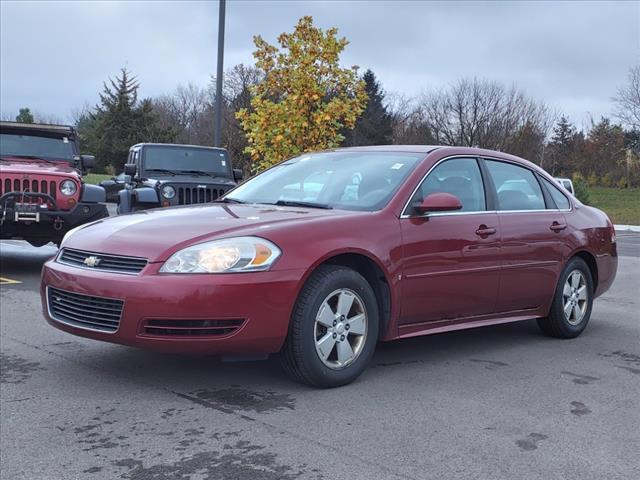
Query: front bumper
x,y
264,300
44,223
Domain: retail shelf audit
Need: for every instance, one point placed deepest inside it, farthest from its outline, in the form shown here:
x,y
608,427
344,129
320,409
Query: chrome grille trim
x,y
108,262
88,312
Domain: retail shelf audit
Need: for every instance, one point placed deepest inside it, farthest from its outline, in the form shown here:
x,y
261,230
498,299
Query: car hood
x,y
195,179
156,234
36,167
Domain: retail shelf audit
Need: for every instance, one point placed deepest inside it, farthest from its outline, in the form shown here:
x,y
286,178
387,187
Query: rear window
x,y
560,199
516,187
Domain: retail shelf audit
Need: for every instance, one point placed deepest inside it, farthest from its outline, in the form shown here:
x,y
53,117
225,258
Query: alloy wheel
x,y
575,297
340,328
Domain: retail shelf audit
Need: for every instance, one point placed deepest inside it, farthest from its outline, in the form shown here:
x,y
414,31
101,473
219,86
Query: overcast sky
x,y
55,55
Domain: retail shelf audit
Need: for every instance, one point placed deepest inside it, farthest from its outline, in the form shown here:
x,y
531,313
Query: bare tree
x,y
480,113
627,100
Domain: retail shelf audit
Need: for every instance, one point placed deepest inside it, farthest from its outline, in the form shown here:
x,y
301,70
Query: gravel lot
x,y
501,402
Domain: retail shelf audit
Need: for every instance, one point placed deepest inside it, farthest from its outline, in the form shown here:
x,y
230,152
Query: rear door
x,y
533,236
451,260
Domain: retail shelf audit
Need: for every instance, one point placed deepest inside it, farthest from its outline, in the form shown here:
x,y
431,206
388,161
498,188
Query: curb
x,y
627,228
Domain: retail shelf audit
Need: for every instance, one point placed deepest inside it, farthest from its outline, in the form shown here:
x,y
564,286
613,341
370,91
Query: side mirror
x,y
130,169
439,202
237,174
88,161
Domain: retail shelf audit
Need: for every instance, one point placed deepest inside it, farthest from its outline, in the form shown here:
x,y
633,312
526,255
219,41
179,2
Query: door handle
x,y
483,230
557,227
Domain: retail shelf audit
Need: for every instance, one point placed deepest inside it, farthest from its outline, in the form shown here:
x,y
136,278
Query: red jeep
x,y
42,195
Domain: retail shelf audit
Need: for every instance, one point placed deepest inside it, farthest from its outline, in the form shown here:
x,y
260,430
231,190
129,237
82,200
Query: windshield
x,y
55,148
355,180
180,159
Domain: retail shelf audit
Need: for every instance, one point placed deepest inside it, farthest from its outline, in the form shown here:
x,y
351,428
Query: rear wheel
x,y
333,330
572,302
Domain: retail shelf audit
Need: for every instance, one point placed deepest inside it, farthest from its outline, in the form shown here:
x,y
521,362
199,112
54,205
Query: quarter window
x,y
562,202
516,187
460,177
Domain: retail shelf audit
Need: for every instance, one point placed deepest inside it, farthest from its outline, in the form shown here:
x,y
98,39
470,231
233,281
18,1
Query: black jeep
x,y
165,175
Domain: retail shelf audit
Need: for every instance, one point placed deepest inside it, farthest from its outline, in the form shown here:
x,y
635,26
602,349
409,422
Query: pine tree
x,y
375,126
120,121
25,116
561,147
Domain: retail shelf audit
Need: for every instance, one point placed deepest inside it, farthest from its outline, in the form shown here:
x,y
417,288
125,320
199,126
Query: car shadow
x,y
184,373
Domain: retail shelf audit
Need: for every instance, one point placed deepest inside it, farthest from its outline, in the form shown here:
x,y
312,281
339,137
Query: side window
x,y
562,202
516,186
460,177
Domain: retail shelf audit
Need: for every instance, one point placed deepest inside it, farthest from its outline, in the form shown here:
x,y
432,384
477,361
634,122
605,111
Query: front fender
x,y
93,194
146,195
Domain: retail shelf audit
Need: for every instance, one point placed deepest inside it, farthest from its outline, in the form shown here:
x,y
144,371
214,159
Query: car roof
x,y
43,127
151,144
392,148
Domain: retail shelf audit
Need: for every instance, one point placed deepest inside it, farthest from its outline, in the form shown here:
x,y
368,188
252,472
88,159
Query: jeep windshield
x,y
355,180
36,146
187,160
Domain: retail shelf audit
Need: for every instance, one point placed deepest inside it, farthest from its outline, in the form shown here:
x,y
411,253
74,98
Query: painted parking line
x,y
8,281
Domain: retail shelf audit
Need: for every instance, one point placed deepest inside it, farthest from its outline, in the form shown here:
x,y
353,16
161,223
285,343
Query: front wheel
x,y
333,330
572,302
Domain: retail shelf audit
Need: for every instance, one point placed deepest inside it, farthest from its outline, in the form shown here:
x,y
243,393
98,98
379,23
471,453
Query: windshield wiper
x,y
163,170
296,203
30,157
229,200
201,172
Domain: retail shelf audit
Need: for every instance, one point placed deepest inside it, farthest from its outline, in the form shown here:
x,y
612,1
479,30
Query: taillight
x,y
612,231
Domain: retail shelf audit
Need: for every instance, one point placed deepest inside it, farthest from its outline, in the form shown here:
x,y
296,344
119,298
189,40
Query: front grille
x,y
84,311
191,195
102,261
24,185
191,328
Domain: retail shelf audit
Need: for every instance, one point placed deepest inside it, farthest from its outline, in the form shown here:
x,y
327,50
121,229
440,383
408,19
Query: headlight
x,y
68,187
229,255
168,191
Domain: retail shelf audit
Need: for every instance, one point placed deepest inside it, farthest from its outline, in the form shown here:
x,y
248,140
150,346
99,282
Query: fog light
x,y
165,203
85,209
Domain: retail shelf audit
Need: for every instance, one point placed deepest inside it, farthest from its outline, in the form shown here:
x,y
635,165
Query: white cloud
x,y
54,56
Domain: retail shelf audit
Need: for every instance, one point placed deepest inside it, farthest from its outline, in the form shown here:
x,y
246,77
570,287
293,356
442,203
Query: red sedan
x,y
326,254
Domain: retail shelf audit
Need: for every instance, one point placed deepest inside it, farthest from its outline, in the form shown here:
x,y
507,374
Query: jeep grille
x,y
191,195
35,186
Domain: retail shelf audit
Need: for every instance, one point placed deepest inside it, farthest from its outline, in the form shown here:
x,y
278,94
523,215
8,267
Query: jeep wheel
x,y
333,330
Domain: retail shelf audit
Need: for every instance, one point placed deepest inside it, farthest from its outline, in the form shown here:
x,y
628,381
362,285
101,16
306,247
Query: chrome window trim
x,y
56,319
405,215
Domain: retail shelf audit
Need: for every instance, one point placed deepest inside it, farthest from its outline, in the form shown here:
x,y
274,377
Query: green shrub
x,y
592,181
622,183
581,188
607,180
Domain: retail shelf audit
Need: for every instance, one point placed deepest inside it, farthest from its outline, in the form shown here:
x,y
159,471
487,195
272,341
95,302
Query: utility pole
x,y
218,120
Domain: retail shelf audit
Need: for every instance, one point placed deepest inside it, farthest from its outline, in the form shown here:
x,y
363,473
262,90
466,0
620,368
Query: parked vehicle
x,y
323,255
567,184
113,185
165,175
42,195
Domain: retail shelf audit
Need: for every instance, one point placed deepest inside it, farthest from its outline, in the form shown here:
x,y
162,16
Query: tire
x,y
317,326
558,324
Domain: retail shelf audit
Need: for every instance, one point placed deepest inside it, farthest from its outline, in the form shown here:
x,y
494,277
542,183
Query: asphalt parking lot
x,y
501,402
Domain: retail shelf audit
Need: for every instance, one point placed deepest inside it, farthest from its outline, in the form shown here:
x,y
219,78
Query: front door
x,y
451,261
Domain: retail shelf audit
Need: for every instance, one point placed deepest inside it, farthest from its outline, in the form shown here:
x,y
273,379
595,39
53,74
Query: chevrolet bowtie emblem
x,y
92,261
